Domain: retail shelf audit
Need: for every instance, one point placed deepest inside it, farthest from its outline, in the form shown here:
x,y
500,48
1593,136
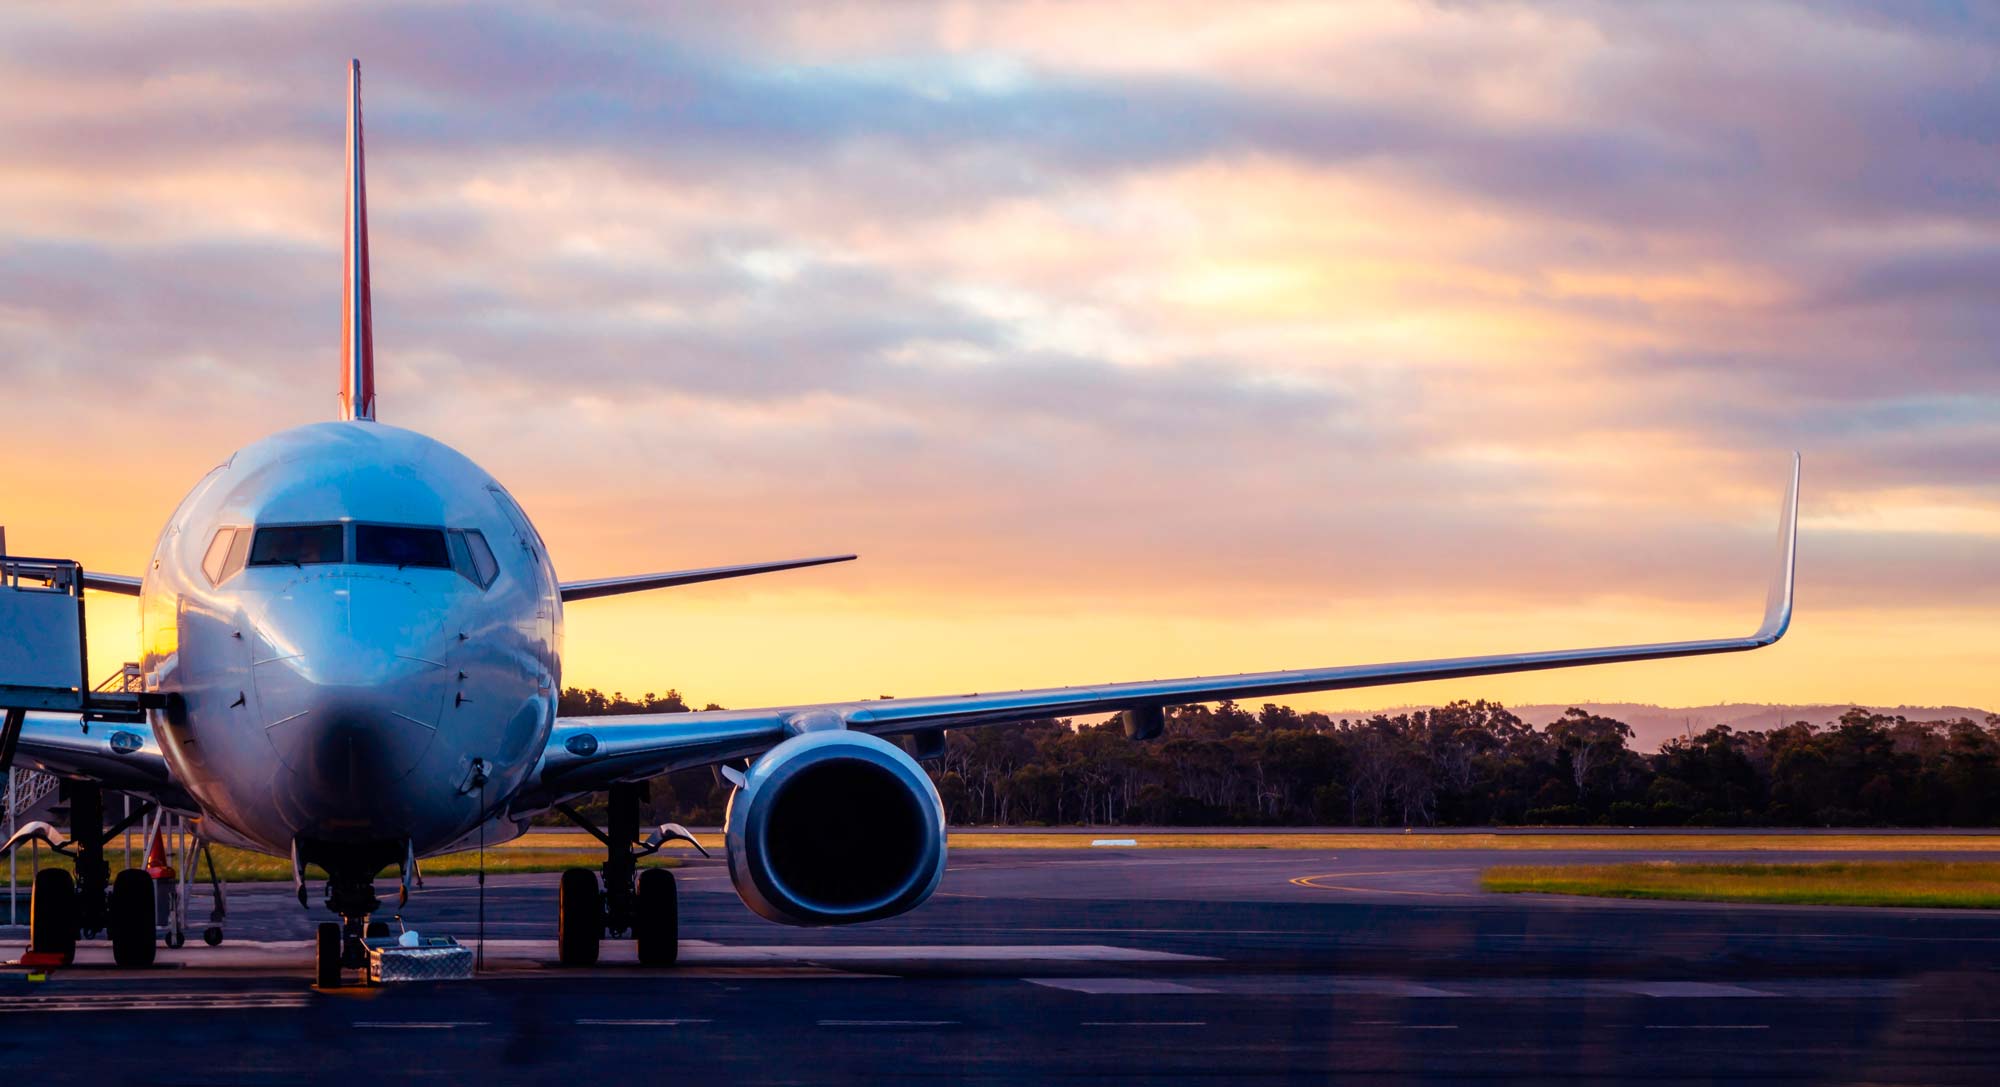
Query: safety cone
x,y
156,860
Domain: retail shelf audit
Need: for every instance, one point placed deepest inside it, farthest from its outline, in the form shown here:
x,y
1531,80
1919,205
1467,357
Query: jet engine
x,y
834,827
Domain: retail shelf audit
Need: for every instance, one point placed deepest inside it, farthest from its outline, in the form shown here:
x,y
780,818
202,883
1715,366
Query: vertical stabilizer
x,y
357,325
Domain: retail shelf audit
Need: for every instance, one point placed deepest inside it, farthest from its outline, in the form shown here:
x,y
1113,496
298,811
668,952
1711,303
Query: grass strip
x,y
1950,884
243,866
1676,841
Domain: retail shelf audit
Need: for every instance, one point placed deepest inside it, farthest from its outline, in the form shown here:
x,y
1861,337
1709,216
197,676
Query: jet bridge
x,y
44,651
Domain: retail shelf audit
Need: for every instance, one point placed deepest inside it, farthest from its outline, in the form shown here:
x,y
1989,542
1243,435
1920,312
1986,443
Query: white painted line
x,y
1144,1023
1953,1020
420,1025
1708,1026
942,952
1117,986
639,1022
60,1005
888,1022
1115,841
1703,990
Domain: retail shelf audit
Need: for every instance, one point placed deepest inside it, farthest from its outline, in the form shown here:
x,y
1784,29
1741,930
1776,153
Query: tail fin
x,y
357,324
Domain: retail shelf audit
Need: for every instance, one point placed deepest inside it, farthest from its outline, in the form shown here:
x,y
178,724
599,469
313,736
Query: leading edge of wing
x,y
112,583
633,583
589,752
123,756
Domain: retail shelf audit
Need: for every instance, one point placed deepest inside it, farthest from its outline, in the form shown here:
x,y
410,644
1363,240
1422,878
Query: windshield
x,y
400,545
298,545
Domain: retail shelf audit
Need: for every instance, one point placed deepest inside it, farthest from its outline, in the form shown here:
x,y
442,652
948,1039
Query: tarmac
x,y
1072,965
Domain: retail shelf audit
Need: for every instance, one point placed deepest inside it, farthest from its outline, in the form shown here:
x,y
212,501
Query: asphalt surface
x,y
1072,965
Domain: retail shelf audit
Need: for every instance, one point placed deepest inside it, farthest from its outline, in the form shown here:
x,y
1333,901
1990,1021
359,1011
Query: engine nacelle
x,y
834,827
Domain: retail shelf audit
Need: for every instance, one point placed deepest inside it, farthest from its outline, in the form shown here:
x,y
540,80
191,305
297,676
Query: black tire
x,y
52,914
579,918
658,926
131,919
326,957
212,935
378,929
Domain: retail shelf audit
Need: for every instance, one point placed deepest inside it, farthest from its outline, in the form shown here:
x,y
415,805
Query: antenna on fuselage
x,y
357,324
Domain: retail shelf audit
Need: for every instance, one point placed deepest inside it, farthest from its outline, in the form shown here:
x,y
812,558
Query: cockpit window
x,y
298,545
238,553
522,527
472,558
217,558
400,545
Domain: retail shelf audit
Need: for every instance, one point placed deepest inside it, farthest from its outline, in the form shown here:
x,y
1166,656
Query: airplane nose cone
x,y
351,674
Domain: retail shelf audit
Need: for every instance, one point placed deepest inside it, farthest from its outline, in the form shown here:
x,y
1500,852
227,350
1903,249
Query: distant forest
x,y
1465,764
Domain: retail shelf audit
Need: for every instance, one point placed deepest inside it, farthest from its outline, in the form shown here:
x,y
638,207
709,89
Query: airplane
x,y
351,654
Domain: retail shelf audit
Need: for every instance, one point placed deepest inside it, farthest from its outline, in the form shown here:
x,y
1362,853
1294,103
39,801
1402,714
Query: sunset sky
x,y
1121,340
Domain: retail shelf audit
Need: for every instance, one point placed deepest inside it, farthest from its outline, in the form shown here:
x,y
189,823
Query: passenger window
x,y
298,545
400,546
472,558
215,563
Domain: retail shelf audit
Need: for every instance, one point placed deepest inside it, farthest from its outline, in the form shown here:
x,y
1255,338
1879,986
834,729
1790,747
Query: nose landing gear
x,y
644,905
338,945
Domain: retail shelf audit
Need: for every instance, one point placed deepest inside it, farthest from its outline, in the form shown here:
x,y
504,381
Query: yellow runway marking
x,y
1315,882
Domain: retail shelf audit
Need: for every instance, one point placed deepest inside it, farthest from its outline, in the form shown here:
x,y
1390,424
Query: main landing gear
x,y
642,905
64,909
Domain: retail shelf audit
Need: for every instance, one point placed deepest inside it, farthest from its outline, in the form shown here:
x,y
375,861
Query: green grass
x,y
1953,884
243,866
1679,841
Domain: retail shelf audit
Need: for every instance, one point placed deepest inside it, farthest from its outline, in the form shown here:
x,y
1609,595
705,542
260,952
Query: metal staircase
x,y
24,790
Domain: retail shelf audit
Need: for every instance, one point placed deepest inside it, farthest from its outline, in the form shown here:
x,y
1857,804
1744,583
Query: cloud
x,y
1146,309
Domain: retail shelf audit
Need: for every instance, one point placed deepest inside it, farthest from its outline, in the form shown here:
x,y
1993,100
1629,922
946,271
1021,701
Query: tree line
x,y
1464,764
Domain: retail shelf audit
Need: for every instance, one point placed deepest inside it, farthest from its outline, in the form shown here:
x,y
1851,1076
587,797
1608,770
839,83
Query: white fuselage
x,y
341,696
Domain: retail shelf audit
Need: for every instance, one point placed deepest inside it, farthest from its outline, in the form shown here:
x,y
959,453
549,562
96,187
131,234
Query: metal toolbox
x,y
434,958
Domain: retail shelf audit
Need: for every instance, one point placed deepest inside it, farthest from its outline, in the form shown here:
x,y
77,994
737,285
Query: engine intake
x,y
834,827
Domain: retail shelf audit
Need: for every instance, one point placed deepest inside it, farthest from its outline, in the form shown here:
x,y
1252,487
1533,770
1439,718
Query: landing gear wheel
x,y
658,923
326,961
212,935
579,918
131,919
176,938
52,914
378,930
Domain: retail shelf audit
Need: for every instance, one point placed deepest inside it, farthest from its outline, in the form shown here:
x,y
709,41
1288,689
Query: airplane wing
x,y
609,586
112,583
118,755
587,753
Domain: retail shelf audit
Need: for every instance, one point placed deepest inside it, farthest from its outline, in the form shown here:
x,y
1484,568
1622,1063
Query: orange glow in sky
x,y
1302,335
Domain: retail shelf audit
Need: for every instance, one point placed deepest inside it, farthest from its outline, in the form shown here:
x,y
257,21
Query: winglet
x,y
1778,604
357,323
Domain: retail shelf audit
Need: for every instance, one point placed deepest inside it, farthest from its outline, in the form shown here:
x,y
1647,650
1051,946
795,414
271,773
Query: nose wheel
x,y
326,956
337,945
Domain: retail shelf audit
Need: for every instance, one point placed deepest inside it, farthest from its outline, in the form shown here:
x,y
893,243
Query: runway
x,y
1075,964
